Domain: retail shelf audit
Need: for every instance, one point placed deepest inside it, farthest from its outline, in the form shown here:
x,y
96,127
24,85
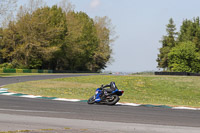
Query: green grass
x,y
159,90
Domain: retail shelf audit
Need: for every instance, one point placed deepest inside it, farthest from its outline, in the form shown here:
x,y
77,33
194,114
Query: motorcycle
x,y
103,96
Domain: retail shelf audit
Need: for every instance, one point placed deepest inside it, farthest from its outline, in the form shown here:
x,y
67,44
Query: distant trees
x,y
168,42
55,38
82,41
104,33
180,51
31,41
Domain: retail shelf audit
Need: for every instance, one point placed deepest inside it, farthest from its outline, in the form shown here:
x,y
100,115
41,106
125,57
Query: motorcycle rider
x,y
108,94
112,87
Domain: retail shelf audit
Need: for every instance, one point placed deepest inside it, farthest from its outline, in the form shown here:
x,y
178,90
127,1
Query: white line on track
x,y
188,108
129,104
70,100
3,91
30,96
8,94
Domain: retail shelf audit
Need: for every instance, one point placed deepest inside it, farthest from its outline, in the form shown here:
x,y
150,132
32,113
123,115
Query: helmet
x,y
113,85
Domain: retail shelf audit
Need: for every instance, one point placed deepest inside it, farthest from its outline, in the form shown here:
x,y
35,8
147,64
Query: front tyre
x,y
91,100
113,100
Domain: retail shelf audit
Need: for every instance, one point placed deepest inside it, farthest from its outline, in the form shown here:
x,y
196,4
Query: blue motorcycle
x,y
104,95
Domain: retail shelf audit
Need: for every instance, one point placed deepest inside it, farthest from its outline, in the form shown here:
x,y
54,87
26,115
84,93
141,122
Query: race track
x,y
17,113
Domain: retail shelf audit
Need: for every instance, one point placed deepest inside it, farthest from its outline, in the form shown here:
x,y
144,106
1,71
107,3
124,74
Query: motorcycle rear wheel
x,y
91,100
114,100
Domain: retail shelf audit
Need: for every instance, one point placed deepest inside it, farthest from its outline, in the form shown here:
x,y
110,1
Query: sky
x,y
139,25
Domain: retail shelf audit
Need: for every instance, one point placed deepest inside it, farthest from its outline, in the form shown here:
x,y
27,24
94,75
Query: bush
x,y
184,58
6,65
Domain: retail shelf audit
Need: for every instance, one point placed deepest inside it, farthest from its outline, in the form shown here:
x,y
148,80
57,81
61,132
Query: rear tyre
x,y
113,100
91,100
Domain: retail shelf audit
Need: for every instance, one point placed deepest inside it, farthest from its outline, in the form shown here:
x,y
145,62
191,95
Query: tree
x,y
81,42
190,31
32,40
1,36
168,42
184,58
56,37
104,32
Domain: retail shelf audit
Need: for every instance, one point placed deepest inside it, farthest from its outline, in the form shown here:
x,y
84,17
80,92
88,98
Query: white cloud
x,y
94,3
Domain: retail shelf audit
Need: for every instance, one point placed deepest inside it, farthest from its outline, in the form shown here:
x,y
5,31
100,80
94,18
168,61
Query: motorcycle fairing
x,y
99,93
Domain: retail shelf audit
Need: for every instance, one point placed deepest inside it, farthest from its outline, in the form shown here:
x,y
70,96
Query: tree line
x,y
57,37
180,51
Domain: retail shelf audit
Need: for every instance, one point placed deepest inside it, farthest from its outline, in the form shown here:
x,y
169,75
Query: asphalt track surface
x,y
18,113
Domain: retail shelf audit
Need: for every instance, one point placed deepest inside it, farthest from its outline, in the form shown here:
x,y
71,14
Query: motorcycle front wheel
x,y
91,100
113,100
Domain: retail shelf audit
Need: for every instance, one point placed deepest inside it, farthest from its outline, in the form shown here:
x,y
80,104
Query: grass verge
x,y
159,90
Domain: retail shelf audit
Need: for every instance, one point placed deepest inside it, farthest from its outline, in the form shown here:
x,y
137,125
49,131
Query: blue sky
x,y
140,24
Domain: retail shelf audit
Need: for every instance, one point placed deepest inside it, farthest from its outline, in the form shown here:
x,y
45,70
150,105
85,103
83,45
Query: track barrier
x,y
177,73
6,70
